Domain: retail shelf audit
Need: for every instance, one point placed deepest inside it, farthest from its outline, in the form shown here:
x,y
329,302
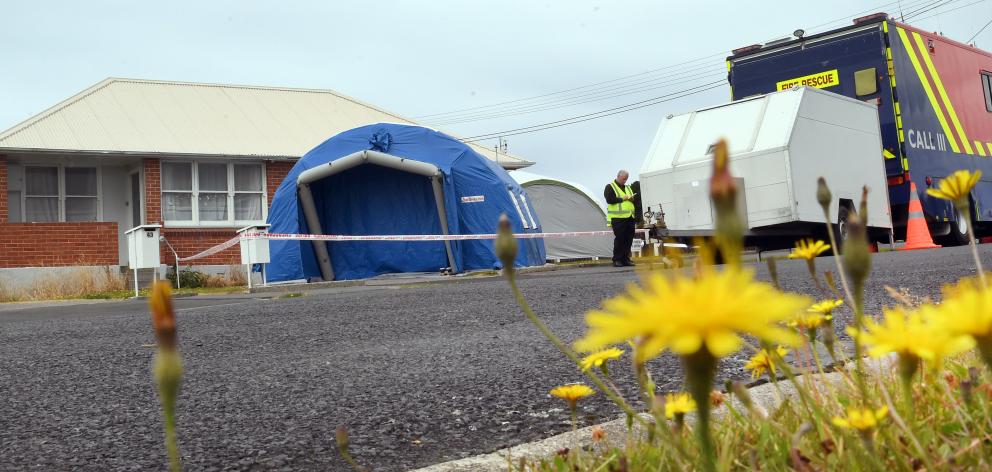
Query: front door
x,y
135,199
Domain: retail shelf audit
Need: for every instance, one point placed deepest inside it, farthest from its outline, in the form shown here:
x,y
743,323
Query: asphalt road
x,y
419,374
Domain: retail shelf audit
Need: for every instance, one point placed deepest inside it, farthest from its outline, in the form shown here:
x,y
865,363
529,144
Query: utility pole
x,y
500,147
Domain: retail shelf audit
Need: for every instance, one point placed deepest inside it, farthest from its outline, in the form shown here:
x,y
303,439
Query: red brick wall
x,y
275,172
58,244
153,190
3,189
190,241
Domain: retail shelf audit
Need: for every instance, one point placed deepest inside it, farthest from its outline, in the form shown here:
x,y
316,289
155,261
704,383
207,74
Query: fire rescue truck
x,y
934,101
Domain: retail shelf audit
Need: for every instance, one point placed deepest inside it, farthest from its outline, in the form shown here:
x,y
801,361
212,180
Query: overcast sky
x,y
427,57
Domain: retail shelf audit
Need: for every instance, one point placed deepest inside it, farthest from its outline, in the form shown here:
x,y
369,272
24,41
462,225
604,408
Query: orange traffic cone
x,y
917,233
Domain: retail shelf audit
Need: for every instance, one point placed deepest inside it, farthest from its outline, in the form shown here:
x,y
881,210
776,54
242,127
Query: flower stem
x,y
169,414
700,370
522,302
859,314
974,247
836,253
906,430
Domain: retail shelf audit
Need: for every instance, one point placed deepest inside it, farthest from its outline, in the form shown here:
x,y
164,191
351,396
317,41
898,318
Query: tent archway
x,y
309,176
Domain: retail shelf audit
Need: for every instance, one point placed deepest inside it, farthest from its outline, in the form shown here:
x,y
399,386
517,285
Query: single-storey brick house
x,y
200,159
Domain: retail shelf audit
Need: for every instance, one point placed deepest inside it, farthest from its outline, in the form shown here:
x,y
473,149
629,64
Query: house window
x,y
987,86
81,200
212,193
249,196
57,193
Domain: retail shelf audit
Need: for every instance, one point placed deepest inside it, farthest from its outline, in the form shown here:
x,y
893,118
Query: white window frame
x,y
62,195
195,195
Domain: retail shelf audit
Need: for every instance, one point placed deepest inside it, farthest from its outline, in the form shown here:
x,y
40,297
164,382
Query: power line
x,y
923,9
678,77
619,79
607,114
636,105
978,32
599,114
952,9
500,109
599,96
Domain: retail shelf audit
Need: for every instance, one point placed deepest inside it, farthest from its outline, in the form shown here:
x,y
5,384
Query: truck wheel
x,y
840,229
958,236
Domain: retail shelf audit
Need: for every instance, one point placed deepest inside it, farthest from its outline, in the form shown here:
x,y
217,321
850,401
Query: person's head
x,y
622,177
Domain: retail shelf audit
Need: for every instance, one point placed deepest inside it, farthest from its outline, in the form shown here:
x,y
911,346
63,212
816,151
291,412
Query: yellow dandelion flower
x,y
599,358
826,307
956,186
809,249
687,314
967,309
910,333
762,361
809,320
678,404
572,393
861,419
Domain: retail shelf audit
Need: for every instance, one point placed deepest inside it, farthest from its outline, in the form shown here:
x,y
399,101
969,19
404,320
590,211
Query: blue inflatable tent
x,y
394,179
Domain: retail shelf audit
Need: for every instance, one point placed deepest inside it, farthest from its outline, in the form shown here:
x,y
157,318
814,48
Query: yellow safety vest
x,y
624,209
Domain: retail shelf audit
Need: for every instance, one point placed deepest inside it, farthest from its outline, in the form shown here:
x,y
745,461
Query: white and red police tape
x,y
388,237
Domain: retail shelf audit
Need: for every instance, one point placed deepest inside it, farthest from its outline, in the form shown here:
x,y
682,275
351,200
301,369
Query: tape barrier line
x,y
214,250
388,237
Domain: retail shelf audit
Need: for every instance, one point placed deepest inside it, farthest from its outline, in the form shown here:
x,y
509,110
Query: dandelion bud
x,y
823,195
723,192
341,436
506,245
163,317
168,366
967,391
863,207
773,271
857,260
717,398
831,284
723,188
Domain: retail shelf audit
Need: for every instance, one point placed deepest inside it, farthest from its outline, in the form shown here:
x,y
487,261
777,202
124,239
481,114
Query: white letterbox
x,y
143,247
254,249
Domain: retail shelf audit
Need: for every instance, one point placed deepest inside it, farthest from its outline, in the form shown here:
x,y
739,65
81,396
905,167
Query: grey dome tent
x,y
563,207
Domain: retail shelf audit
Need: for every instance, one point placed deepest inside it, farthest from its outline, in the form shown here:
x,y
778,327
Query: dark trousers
x,y
623,237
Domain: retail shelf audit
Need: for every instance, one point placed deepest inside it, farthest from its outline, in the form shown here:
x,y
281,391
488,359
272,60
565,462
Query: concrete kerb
x,y
766,398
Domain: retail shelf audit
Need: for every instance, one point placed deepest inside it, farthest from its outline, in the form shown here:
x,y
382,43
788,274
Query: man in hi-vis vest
x,y
620,213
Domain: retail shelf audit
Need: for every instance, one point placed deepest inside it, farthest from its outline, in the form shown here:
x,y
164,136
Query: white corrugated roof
x,y
184,118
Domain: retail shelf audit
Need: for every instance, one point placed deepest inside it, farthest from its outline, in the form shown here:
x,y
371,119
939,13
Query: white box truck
x,y
779,144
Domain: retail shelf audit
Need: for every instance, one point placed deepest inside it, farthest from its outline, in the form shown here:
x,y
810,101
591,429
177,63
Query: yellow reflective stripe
x,y
926,88
897,108
885,26
888,53
899,121
979,147
990,148
888,155
905,163
902,136
943,93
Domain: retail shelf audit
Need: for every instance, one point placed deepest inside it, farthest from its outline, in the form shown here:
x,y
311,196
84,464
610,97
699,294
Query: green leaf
x,y
951,428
